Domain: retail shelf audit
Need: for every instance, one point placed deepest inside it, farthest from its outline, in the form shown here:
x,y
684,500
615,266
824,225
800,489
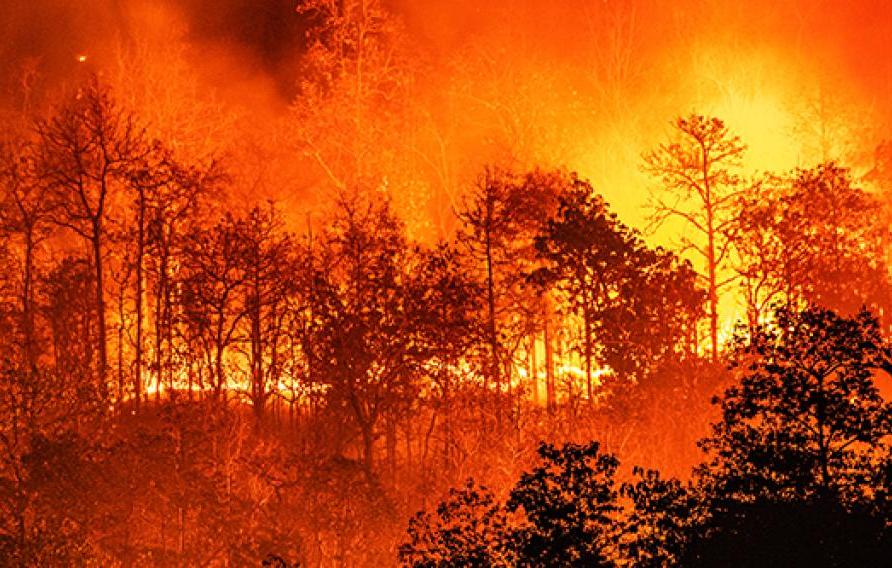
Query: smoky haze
x,y
846,37
611,73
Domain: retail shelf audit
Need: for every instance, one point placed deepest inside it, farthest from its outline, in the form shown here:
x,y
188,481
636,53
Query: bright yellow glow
x,y
764,125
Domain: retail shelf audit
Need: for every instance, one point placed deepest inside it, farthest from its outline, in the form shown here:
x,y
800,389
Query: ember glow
x,y
361,282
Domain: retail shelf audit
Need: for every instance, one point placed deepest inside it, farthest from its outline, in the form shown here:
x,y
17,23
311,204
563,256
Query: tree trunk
x,y
100,308
712,291
368,447
492,332
140,255
549,362
588,353
258,389
27,300
534,370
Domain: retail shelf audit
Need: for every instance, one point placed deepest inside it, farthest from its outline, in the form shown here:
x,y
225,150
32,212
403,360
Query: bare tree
x,y
699,186
214,274
86,151
270,284
24,213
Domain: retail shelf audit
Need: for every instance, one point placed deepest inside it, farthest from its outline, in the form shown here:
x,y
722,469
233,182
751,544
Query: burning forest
x,y
390,283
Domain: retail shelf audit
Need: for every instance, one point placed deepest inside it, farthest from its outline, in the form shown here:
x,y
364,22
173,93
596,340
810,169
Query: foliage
x,y
638,307
568,503
812,237
806,418
468,528
558,514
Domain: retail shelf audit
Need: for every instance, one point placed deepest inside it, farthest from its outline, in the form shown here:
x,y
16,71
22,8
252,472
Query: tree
x,y
446,303
85,154
175,197
659,520
500,218
68,304
561,513
361,340
213,275
269,285
568,502
637,306
813,237
467,529
696,170
147,179
585,248
806,420
24,213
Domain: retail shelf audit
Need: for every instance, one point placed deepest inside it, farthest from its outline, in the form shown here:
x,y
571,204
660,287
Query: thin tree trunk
x,y
100,307
588,353
534,370
549,363
140,255
27,299
492,332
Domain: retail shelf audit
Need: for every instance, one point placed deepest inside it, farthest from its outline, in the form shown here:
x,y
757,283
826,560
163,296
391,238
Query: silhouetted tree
x,y
802,444
568,502
696,170
469,528
561,513
69,306
213,274
659,520
270,283
500,218
636,305
806,418
813,237
361,341
175,208
446,302
85,154
24,215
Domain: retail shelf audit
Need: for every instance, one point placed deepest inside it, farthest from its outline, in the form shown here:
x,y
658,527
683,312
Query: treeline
x,y
796,473
188,383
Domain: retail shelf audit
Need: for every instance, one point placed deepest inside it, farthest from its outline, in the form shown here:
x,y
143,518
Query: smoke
x,y
613,72
848,39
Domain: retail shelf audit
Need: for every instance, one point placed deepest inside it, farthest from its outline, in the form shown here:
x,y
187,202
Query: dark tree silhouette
x,y
499,219
468,528
86,153
214,273
270,284
24,215
561,513
568,503
638,307
795,466
806,418
659,519
446,303
361,340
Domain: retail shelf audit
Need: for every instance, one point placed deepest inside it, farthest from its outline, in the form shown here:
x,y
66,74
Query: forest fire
x,y
410,283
